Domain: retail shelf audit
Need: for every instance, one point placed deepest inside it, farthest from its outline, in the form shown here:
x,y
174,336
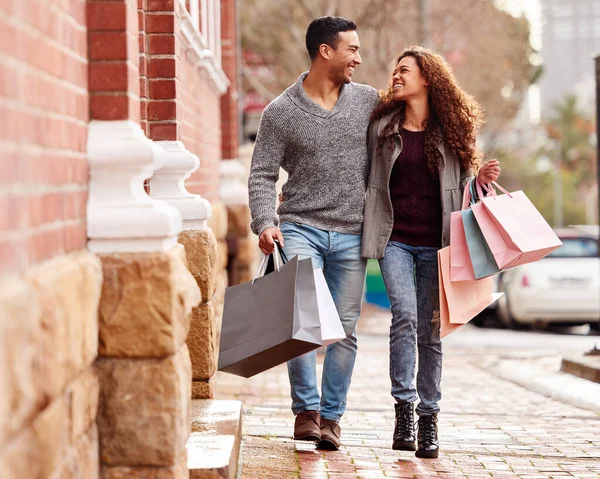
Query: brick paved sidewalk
x,y
488,427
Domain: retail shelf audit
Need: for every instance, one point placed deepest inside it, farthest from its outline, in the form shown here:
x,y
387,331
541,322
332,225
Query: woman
x,y
422,149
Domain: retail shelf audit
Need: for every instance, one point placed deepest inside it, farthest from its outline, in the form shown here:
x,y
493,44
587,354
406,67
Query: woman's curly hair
x,y
454,115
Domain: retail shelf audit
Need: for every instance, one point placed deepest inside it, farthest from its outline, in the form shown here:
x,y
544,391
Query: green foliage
x,y
523,173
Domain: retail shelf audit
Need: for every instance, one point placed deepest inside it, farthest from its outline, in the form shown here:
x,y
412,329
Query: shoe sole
x,y
307,438
404,446
327,445
427,454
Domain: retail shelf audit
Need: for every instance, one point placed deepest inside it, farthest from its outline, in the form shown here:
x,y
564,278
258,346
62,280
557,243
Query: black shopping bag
x,y
264,322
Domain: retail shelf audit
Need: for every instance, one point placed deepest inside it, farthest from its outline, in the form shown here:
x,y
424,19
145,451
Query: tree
x,y
521,171
488,48
571,131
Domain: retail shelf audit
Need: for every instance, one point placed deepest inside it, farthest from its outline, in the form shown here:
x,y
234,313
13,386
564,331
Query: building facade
x,y
570,38
120,188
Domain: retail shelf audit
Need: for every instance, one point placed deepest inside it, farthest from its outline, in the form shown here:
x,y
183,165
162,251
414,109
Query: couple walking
x,y
370,176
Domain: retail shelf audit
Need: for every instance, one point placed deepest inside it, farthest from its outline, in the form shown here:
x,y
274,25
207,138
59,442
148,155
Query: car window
x,y
576,248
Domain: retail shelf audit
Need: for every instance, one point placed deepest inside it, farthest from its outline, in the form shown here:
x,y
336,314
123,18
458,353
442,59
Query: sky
x,y
532,11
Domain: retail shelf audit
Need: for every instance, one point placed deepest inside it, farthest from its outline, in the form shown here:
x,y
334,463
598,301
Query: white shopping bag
x,y
332,330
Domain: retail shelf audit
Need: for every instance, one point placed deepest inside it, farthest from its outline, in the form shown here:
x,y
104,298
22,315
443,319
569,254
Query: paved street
x,y
490,424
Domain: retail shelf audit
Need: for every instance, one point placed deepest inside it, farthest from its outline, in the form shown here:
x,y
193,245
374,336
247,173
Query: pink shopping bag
x,y
463,300
461,268
513,228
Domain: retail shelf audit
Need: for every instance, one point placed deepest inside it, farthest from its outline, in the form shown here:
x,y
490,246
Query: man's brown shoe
x,y
330,435
306,427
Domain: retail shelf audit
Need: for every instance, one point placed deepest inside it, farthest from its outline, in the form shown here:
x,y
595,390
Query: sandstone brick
x,y
246,274
218,324
222,258
202,341
51,436
68,289
238,217
88,459
177,471
219,297
248,252
222,283
84,393
144,409
218,222
19,320
20,456
146,303
203,389
202,257
82,460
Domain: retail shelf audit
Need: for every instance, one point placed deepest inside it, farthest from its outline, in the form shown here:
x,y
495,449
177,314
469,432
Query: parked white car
x,y
564,287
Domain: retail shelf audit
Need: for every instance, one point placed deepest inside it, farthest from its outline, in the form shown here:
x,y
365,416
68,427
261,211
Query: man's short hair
x,y
324,30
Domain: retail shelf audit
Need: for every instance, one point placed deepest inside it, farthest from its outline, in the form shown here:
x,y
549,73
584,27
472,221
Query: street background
x,y
506,411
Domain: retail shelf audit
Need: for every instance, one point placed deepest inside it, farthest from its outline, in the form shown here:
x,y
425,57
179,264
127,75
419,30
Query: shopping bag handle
x,y
466,196
279,259
489,188
282,254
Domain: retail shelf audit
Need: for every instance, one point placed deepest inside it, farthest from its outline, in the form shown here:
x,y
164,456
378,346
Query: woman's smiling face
x,y
407,80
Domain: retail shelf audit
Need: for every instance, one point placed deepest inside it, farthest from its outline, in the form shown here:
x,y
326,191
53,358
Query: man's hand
x,y
266,242
489,172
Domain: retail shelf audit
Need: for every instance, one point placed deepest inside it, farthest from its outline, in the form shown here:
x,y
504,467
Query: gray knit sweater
x,y
323,152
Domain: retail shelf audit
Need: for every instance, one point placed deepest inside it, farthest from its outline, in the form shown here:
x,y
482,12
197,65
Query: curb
x,y
585,367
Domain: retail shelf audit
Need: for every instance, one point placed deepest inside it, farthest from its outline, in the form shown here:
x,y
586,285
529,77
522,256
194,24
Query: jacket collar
x,y
384,121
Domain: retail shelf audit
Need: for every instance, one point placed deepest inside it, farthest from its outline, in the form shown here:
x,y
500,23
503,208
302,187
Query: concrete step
x,y
214,444
586,367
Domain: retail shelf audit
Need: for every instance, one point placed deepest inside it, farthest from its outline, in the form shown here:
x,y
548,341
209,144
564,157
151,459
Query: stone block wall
x,y
144,365
207,254
243,260
243,253
48,343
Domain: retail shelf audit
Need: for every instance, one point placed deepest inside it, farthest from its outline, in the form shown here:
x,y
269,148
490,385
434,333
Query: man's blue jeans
x,y
345,271
410,274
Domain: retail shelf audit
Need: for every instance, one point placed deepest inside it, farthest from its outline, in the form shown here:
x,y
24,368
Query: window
x,y
206,18
562,10
214,28
210,25
194,9
576,248
563,29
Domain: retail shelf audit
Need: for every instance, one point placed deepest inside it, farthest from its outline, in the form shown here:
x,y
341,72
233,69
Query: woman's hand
x,y
489,172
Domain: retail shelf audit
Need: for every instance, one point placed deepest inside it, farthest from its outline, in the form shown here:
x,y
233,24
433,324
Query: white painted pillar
x,y
234,187
121,217
168,184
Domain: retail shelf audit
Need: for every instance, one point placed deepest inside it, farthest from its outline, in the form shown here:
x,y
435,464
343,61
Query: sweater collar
x,y
297,94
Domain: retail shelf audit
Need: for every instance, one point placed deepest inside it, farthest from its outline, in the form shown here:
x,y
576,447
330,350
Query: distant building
x,y
571,37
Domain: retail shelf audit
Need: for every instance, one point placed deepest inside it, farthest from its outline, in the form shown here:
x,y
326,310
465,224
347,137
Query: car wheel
x,y
508,320
478,320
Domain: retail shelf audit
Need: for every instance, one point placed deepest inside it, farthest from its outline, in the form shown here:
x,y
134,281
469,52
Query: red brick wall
x,y
162,24
229,110
55,76
201,130
114,60
181,102
143,49
43,130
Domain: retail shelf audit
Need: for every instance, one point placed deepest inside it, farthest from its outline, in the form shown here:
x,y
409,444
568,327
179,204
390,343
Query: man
x,y
316,131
